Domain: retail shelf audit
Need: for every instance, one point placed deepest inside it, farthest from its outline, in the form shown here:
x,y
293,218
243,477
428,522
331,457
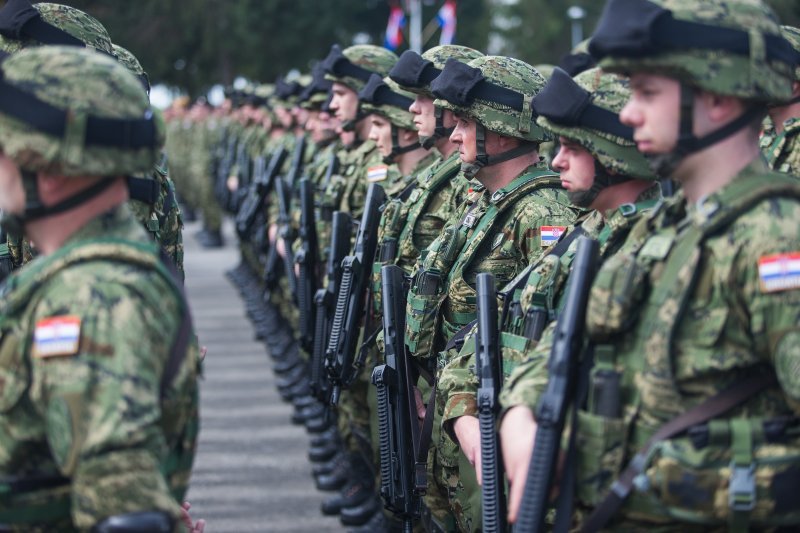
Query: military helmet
x,y
735,49
792,34
125,57
75,112
495,91
415,72
23,25
316,93
385,98
586,110
355,64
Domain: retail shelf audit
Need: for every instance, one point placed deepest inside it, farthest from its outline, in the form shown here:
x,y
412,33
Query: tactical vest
x,y
732,471
443,268
44,498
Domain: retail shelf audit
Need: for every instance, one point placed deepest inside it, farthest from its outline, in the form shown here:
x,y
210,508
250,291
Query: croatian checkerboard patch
x,y
550,234
377,173
779,272
57,336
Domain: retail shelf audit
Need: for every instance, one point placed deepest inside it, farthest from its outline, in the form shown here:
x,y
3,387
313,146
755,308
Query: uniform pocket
x,y
600,445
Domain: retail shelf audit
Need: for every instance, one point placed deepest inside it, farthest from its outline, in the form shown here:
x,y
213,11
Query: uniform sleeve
x,y
458,385
528,380
97,386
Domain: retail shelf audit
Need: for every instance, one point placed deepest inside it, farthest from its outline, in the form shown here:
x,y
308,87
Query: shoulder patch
x,y
779,272
550,234
377,173
57,336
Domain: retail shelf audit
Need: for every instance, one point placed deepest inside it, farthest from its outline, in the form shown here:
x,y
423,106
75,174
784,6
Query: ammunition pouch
x,y
422,313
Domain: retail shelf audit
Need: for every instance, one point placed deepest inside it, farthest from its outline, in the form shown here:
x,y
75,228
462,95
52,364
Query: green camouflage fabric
x,y
616,154
438,56
92,412
206,133
719,72
782,150
512,74
368,56
792,34
130,61
696,317
544,288
89,84
75,22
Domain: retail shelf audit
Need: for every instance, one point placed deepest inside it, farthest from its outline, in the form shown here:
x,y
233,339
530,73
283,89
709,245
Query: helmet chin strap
x,y
396,148
439,131
602,180
665,164
350,124
482,159
35,208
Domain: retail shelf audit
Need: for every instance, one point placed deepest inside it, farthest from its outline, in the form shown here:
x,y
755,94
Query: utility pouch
x,y
617,292
422,313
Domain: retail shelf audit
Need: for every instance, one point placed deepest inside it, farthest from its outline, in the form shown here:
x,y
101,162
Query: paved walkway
x,y
251,472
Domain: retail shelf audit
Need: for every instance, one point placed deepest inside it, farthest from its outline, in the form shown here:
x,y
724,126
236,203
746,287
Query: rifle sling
x,y
709,409
457,340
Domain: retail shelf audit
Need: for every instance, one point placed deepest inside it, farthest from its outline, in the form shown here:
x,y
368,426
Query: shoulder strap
x,y
144,190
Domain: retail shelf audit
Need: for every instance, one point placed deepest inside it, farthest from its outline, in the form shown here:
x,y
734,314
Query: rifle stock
x,y
552,408
307,262
489,367
350,304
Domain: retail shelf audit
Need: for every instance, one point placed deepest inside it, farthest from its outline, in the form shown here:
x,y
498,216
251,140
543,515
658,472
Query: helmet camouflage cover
x,y
14,34
792,34
495,91
750,62
609,142
385,98
108,127
130,61
414,72
354,65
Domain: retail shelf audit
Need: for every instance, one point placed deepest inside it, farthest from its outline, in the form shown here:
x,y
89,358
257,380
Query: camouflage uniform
x,y
699,312
83,419
498,233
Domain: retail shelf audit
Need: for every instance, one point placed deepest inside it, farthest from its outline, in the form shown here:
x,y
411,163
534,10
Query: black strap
x,y
143,189
709,409
33,482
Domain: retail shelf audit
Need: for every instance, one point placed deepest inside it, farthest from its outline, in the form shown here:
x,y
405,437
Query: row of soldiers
x,y
99,364
455,300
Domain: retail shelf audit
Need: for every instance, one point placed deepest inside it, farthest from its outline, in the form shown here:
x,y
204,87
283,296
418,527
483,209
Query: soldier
x,y
497,230
602,172
692,318
100,394
780,142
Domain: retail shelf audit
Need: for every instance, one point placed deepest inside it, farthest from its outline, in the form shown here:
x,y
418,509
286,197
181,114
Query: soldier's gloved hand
x,y
467,430
193,527
517,434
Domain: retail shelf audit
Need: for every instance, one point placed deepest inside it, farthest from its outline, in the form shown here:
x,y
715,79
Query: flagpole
x,y
415,25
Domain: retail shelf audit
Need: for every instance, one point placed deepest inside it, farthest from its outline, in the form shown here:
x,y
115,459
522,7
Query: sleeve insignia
x,y
550,234
377,173
57,336
779,272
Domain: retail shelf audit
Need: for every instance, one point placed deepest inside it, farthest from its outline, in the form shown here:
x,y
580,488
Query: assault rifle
x,y
552,408
350,304
257,193
333,168
324,300
284,189
223,171
307,261
489,368
403,467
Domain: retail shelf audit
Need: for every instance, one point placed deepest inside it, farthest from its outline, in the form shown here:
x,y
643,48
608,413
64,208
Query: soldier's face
x,y
344,102
575,166
12,194
424,119
380,131
464,136
653,112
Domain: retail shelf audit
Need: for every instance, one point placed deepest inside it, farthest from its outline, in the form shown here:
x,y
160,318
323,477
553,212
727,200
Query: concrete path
x,y
251,472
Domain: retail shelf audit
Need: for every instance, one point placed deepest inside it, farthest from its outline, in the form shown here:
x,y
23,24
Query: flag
x,y
447,21
394,28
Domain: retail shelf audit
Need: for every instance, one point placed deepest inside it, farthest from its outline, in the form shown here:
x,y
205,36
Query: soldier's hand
x,y
192,527
272,232
517,434
468,432
421,408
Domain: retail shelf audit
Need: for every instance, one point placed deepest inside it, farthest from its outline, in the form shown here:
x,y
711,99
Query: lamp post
x,y
576,14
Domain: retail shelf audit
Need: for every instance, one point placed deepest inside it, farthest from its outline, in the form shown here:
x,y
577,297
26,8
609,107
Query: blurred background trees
x,y
191,45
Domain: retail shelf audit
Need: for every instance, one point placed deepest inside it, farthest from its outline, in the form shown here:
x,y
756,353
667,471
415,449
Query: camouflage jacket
x,y
782,150
693,303
498,233
86,335
458,383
